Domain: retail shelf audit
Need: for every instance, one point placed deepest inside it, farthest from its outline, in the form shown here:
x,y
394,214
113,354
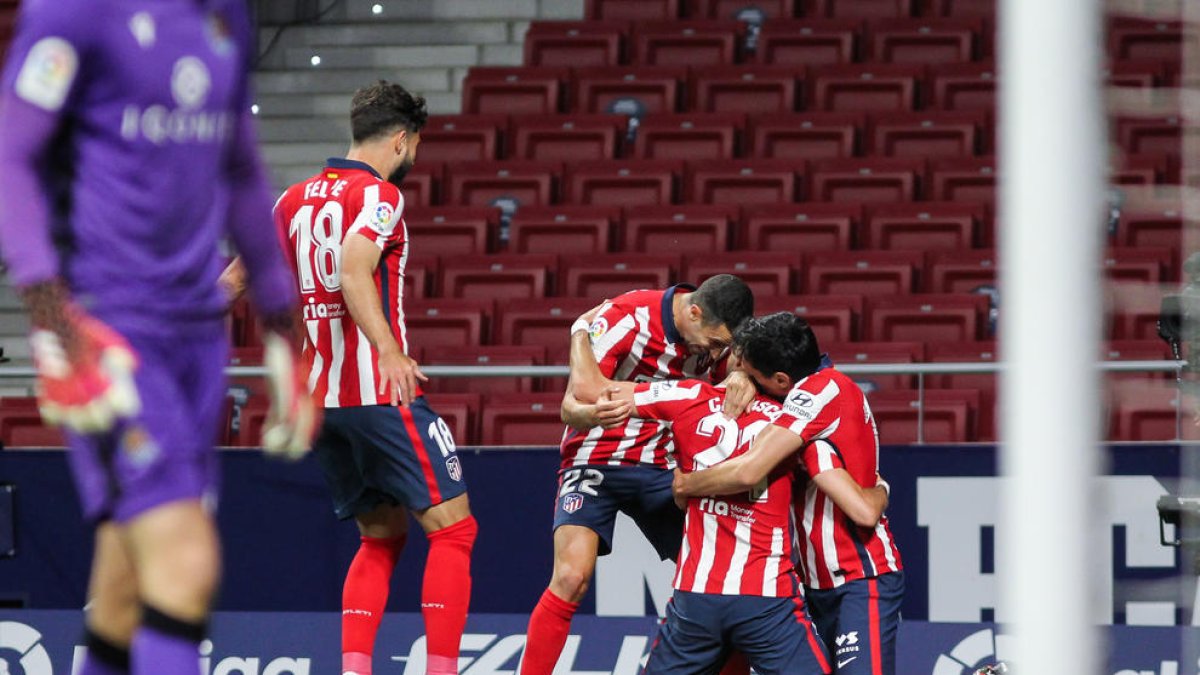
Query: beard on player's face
x,y
397,176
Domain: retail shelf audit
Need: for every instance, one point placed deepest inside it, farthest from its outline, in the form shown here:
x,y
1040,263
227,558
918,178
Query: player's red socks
x,y
549,626
446,594
364,598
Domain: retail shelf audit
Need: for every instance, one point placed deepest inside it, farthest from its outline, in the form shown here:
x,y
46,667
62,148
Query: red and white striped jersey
x,y
733,544
314,217
830,412
634,339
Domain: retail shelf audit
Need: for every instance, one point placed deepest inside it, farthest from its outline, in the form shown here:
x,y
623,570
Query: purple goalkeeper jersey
x,y
129,152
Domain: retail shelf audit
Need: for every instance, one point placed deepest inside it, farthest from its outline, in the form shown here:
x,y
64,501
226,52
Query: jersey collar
x,y
668,312
351,164
826,362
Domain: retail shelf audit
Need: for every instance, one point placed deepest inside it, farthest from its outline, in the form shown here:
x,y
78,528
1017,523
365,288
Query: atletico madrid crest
x,y
572,502
454,469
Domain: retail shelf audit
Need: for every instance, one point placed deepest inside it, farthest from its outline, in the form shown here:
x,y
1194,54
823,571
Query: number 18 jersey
x,y
314,217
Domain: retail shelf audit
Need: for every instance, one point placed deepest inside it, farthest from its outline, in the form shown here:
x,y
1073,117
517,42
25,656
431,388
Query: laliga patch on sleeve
x,y
381,218
599,327
799,405
47,74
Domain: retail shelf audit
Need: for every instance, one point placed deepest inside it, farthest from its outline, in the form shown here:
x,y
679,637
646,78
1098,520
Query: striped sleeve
x,y
821,456
810,414
666,400
382,209
612,334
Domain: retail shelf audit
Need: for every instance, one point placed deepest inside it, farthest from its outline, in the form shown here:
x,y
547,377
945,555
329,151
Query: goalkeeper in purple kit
x,y
128,153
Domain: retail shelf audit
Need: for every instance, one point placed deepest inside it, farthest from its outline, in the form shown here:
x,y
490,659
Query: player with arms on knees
x,y
129,152
383,451
853,575
611,463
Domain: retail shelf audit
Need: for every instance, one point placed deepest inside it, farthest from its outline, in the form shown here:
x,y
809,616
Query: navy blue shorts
x,y
859,621
591,496
701,629
381,454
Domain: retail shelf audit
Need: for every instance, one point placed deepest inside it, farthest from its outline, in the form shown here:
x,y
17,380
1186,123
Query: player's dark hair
x,y
383,107
779,343
725,299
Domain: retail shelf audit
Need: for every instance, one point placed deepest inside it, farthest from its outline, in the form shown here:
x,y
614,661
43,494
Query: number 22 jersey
x,y
314,218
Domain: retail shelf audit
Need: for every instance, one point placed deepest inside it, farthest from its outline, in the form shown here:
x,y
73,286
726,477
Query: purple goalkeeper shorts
x,y
165,453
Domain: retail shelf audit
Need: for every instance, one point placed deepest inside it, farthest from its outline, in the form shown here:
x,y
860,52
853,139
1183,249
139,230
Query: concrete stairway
x,y
305,81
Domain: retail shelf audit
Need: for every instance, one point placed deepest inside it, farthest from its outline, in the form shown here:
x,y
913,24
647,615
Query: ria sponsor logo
x,y
323,310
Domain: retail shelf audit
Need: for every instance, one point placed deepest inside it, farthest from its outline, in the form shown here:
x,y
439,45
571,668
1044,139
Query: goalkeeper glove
x,y
293,417
84,373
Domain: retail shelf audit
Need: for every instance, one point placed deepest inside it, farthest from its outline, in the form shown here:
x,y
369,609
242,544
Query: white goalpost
x,y
1052,167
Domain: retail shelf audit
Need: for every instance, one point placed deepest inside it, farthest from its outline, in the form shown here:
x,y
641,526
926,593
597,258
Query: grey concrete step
x,y
299,153
425,10
309,80
501,55
306,129
302,105
428,56
397,34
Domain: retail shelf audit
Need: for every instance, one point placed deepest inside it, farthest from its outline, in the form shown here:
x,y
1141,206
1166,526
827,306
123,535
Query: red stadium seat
x,y
694,230
874,181
461,414
566,138
1137,350
865,88
984,383
803,227
948,416
483,183
421,185
686,43
925,318
23,428
860,9
514,91
530,419
496,355
1146,39
730,9
981,9
926,41
1137,74
1144,265
808,42
1134,310
1151,225
622,182
1151,135
834,318
745,89
657,89
864,273
928,135
923,226
450,230
963,180
1149,410
444,322
632,10
741,182
806,136
574,43
967,86
961,271
543,322
249,419
495,277
1141,170
611,275
767,274
871,353
562,229
688,136
462,138
417,274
